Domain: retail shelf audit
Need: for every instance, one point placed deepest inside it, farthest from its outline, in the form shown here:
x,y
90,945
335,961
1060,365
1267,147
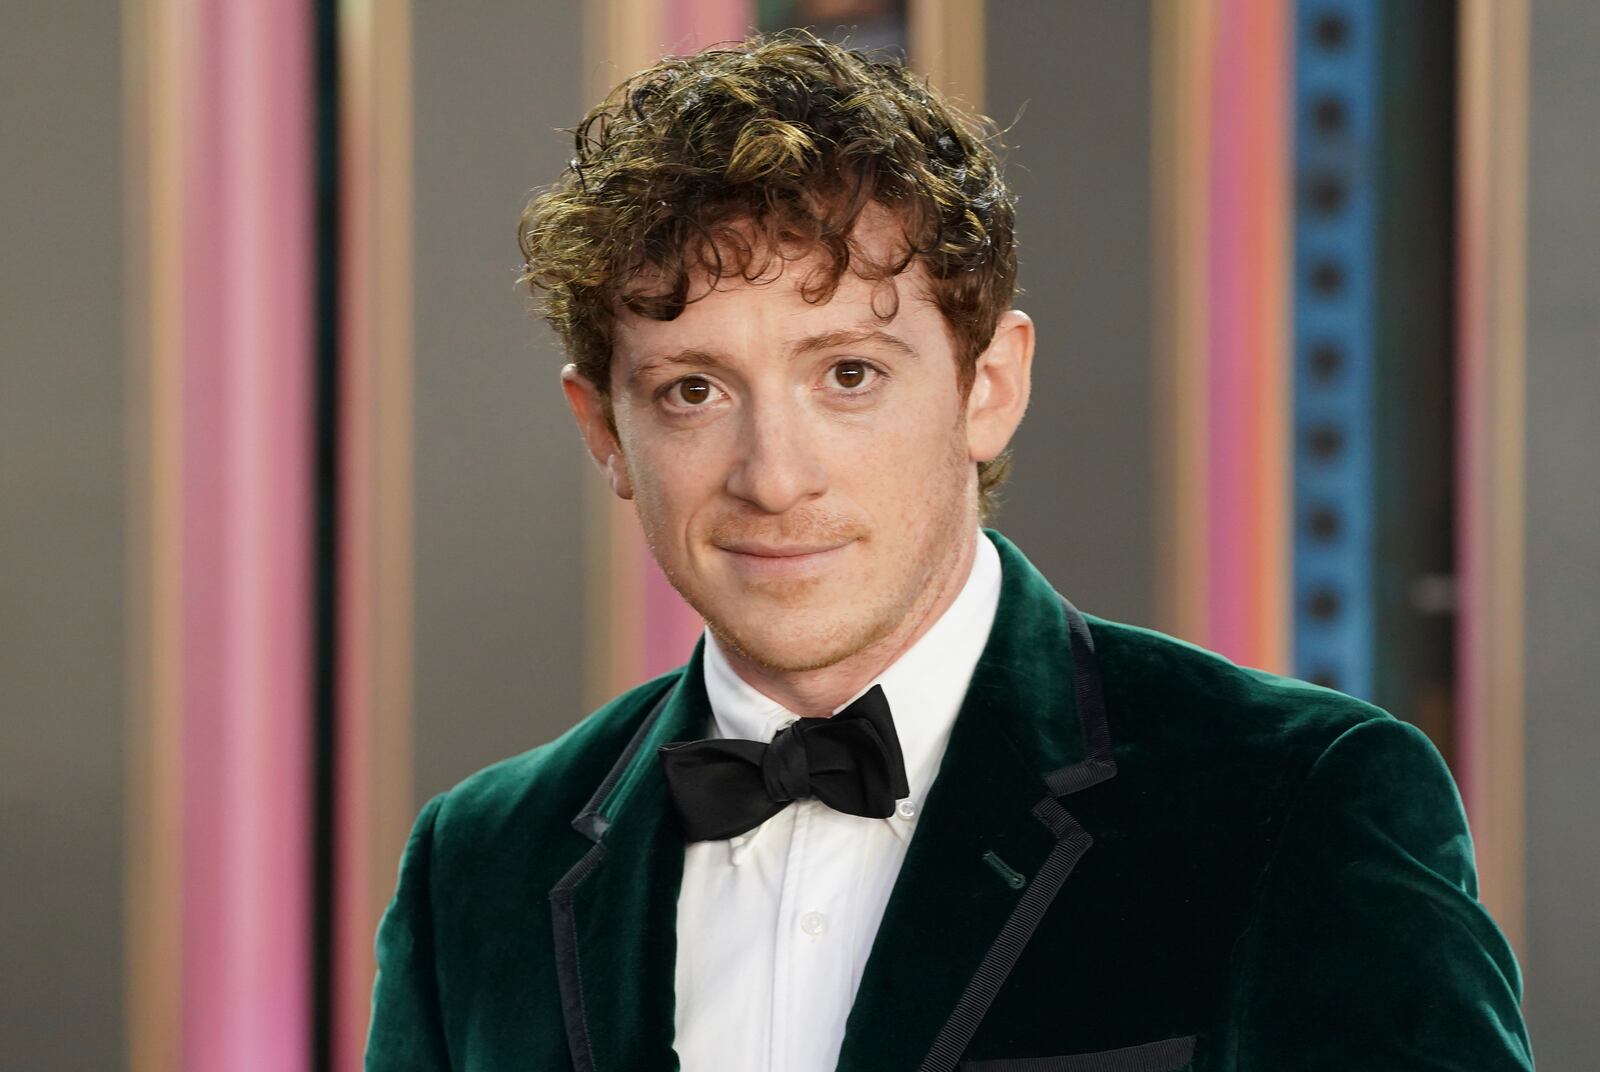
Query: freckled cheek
x,y
926,467
908,444
679,476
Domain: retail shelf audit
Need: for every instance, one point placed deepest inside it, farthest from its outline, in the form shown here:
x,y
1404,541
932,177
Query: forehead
x,y
782,298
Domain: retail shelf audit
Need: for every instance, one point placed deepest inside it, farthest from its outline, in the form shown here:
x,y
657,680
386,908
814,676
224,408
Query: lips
x,y
780,550
758,561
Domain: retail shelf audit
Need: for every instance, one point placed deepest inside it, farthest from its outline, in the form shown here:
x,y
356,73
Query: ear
x,y
1000,387
589,409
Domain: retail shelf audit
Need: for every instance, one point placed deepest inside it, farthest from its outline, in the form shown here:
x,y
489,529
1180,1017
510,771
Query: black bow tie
x,y
851,762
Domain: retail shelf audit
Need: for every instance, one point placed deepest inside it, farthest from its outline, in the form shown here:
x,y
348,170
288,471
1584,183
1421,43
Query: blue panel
x,y
1336,130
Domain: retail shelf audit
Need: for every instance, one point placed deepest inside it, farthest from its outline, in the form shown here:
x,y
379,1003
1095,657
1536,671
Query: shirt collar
x,y
924,686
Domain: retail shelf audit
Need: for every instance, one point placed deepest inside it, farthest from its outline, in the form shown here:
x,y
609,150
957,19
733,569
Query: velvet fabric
x,y
1137,856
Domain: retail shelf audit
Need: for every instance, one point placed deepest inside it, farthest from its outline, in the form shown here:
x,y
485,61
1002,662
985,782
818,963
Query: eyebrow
x,y
691,356
833,340
827,340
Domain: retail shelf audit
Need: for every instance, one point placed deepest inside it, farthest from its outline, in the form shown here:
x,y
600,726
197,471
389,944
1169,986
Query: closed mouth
x,y
770,551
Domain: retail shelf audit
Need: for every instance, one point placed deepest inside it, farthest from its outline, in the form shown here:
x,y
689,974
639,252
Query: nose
x,y
778,465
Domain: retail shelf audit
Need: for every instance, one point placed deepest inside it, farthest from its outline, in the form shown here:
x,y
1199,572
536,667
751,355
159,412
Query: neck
x,y
816,693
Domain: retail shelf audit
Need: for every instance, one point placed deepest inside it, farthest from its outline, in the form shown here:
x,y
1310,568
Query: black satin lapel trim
x,y
949,901
592,825
590,822
616,905
615,926
1072,842
1032,727
569,977
1097,765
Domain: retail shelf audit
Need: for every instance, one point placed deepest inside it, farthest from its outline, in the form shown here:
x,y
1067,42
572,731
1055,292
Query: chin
x,y
790,645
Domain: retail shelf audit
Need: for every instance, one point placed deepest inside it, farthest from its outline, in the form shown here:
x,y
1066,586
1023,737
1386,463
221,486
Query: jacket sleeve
x,y
407,1032
1368,948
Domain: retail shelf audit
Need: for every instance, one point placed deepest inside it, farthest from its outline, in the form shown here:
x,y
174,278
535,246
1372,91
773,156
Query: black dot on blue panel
x,y
1325,193
1327,278
1324,603
1331,30
1329,117
1325,441
1323,523
1327,362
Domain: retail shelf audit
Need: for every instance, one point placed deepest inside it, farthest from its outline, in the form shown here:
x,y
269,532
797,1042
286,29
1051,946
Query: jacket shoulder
x,y
526,795
1166,692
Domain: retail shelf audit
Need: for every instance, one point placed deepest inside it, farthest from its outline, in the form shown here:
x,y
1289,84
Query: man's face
x,y
802,472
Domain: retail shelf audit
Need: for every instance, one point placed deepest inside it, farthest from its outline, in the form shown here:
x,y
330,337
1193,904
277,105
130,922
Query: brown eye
x,y
694,391
850,373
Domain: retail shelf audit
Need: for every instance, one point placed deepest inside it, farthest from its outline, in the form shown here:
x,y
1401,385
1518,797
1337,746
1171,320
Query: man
x,y
904,807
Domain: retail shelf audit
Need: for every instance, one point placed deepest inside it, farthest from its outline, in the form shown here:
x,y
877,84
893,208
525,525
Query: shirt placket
x,y
789,983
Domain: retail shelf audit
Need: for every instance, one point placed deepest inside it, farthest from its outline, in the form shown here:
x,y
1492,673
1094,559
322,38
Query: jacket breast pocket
x,y
1167,1055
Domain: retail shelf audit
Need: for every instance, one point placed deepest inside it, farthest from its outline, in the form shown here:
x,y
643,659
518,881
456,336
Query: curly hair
x,y
704,166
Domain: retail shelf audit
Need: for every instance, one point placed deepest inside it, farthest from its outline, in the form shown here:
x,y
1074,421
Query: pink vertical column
x,y
1247,269
1227,519
246,368
691,25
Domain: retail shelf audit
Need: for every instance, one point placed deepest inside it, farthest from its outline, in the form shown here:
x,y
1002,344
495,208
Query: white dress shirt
x,y
774,926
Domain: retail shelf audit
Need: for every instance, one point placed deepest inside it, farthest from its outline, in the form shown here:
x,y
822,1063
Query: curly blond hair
x,y
704,166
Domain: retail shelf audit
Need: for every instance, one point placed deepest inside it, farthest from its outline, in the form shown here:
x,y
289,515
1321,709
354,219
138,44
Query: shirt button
x,y
813,923
905,809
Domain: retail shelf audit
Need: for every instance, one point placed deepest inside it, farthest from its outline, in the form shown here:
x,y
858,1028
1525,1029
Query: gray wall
x,y
61,528
499,530
1080,500
1563,541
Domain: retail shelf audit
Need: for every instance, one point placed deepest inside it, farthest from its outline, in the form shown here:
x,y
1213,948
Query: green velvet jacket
x,y
1137,856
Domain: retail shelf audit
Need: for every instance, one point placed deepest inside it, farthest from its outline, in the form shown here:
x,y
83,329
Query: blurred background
x,y
297,531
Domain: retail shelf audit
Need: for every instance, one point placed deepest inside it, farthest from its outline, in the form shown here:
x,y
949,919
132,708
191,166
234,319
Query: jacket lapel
x,y
994,844
615,911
